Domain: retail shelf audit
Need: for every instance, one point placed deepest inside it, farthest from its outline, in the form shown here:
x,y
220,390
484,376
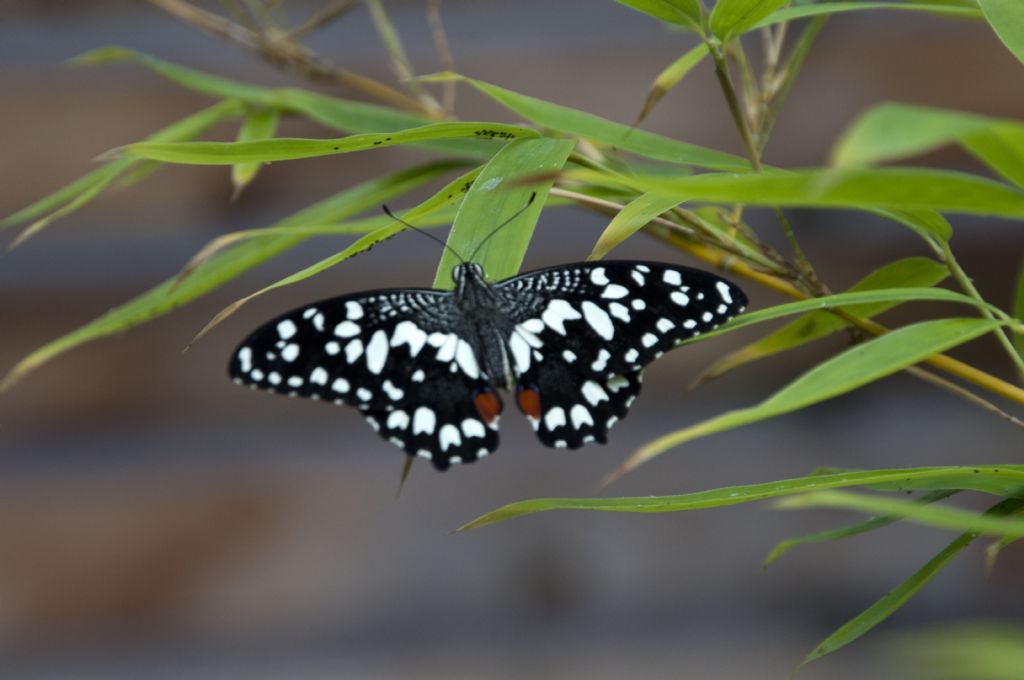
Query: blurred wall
x,y
157,521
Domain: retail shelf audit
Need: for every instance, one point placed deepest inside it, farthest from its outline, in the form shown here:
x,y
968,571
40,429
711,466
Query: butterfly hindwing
x,y
582,330
392,354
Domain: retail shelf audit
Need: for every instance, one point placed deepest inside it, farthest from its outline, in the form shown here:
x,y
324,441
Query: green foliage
x,y
692,198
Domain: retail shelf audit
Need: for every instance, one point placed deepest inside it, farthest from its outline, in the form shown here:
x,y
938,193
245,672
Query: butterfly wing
x,y
392,355
584,332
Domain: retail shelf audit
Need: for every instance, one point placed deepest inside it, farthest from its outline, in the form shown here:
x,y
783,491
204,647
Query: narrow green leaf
x,y
637,213
1006,17
928,224
678,12
865,188
898,596
782,547
338,114
892,131
803,11
493,199
670,77
257,125
937,516
227,265
857,366
1018,310
988,479
94,182
731,18
910,272
575,122
283,149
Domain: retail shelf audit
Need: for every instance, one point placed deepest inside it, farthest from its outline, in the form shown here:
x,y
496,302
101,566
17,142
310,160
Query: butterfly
x,y
424,366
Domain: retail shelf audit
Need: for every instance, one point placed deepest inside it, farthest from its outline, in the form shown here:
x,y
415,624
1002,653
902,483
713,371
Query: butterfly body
x,y
424,366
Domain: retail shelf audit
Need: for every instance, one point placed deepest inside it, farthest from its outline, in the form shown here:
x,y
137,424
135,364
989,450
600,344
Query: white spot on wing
x,y
723,290
664,325
593,393
398,420
631,356
569,355
619,311
418,376
649,340
340,385
245,359
393,392
602,360
706,317
672,277
286,329
598,276
614,291
554,418
472,428
318,376
354,310
681,299
638,304
353,350
346,329
580,416
520,352
598,320
290,352
467,361
423,420
637,276
295,381
410,333
377,352
557,313
332,348
449,436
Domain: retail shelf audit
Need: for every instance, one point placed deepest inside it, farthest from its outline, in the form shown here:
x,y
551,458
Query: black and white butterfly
x,y
424,366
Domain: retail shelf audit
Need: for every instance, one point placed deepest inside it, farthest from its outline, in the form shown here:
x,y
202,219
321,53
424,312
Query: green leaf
x,y
803,11
637,214
892,131
670,77
782,547
928,224
338,114
284,149
227,265
495,198
260,124
83,189
898,596
1018,310
731,18
679,12
574,122
910,272
999,479
937,516
856,367
1007,19
865,188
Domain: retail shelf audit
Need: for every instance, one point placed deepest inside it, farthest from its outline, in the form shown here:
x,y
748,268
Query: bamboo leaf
x,y
937,516
575,122
677,12
731,18
975,650
843,373
892,131
220,269
998,480
782,547
283,149
910,272
1018,310
494,198
865,188
637,214
257,125
804,11
671,76
1007,19
898,596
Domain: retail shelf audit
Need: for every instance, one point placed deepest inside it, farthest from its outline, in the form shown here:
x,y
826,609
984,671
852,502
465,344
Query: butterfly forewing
x,y
393,355
584,332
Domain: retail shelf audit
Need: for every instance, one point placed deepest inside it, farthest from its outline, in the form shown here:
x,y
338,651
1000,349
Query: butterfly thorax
x,y
482,323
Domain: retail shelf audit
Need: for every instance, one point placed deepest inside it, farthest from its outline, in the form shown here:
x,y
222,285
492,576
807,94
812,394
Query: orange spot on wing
x,y
488,405
529,402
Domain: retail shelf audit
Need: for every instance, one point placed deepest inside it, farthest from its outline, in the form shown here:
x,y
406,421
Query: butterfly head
x,y
467,273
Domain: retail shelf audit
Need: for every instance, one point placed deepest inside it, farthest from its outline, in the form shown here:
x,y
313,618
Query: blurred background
x,y
157,521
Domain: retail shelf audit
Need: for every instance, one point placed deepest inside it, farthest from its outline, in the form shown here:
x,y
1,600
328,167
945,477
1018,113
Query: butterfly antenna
x,y
504,224
426,233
